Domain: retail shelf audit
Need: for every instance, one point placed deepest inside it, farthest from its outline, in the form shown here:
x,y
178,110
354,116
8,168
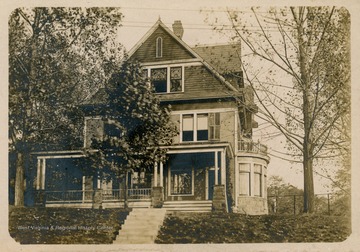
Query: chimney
x,y
178,28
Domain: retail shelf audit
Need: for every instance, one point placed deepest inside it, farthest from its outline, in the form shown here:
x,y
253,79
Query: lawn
x,y
29,225
100,226
238,228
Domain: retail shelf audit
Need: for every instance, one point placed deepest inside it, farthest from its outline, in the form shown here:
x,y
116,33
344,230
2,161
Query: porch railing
x,y
86,196
252,147
69,196
139,193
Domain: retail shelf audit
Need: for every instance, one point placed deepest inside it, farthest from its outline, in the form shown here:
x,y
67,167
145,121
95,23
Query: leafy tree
x,y
57,57
142,127
309,48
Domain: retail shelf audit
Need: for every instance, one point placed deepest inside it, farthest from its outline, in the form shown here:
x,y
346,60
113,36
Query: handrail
x,y
252,147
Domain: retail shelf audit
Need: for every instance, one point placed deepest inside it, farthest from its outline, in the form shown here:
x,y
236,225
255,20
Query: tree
x,y
56,57
309,47
141,127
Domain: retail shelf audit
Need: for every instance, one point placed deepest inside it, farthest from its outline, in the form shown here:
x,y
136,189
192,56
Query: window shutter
x,y
214,126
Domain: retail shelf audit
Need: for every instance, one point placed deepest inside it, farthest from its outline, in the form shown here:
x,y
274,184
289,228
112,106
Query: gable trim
x,y
159,23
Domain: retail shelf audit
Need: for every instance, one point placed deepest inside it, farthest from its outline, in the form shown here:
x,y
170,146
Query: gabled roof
x,y
209,66
224,58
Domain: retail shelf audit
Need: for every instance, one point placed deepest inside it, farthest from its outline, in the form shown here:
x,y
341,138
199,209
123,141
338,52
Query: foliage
x,y
144,127
65,225
57,56
237,228
308,47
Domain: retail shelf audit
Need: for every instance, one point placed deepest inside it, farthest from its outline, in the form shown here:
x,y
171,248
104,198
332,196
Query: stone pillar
x,y
157,196
219,199
97,199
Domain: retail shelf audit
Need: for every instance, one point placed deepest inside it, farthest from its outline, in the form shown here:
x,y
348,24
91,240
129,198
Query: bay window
x,y
244,177
257,180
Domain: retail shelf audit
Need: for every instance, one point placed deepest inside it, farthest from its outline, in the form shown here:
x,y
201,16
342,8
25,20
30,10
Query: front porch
x,y
191,173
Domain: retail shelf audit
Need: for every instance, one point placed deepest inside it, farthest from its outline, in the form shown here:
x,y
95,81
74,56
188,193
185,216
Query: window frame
x,y
247,172
171,183
159,47
195,127
168,77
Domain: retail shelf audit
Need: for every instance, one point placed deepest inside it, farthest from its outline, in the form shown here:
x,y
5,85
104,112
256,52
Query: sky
x,y
197,30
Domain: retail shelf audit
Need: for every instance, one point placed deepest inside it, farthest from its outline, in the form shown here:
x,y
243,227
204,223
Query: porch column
x,y
38,176
155,173
43,174
161,174
216,168
223,168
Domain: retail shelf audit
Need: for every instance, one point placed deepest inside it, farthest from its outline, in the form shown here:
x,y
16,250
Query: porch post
x,y
161,173
223,166
155,173
38,179
216,168
43,174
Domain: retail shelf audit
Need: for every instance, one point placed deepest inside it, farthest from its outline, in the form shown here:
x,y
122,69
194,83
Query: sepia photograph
x,y
179,123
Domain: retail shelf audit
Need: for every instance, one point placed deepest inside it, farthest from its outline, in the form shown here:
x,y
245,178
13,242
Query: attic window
x,y
159,47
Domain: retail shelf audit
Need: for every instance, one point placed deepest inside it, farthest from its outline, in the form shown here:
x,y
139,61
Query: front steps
x,y
141,226
188,206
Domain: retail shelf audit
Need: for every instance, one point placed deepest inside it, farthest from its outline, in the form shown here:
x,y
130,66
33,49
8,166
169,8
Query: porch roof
x,y
197,146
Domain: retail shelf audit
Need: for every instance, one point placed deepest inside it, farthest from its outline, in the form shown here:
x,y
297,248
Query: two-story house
x,y
213,163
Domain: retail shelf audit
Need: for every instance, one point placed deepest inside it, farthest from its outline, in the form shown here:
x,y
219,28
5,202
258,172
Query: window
x,y
166,79
159,47
244,179
188,128
257,180
181,181
138,178
175,79
159,79
202,127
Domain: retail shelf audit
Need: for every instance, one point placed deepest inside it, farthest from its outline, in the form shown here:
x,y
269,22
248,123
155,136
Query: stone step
x,y
187,202
141,226
131,232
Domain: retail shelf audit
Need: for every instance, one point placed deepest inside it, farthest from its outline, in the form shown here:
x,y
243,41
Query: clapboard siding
x,y
172,50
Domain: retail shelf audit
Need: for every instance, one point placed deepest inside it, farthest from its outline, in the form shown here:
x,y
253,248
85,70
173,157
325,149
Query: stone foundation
x,y
97,199
219,200
157,197
252,205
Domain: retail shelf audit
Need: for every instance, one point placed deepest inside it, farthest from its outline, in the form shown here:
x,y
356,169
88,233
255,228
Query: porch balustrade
x,y
252,147
86,196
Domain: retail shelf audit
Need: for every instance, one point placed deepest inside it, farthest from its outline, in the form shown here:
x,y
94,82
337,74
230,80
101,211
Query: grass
x,y
29,225
94,226
238,228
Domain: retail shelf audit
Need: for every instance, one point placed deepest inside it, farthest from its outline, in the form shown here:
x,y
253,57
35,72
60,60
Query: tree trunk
x,y
19,180
308,185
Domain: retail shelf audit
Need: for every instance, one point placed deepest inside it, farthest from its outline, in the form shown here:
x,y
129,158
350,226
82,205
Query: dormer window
x,y
159,47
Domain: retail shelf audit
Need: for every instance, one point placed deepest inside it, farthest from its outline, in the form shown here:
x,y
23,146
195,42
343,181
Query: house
x,y
213,162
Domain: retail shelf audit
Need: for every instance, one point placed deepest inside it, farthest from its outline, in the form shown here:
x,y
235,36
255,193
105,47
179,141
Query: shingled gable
x,y
193,53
